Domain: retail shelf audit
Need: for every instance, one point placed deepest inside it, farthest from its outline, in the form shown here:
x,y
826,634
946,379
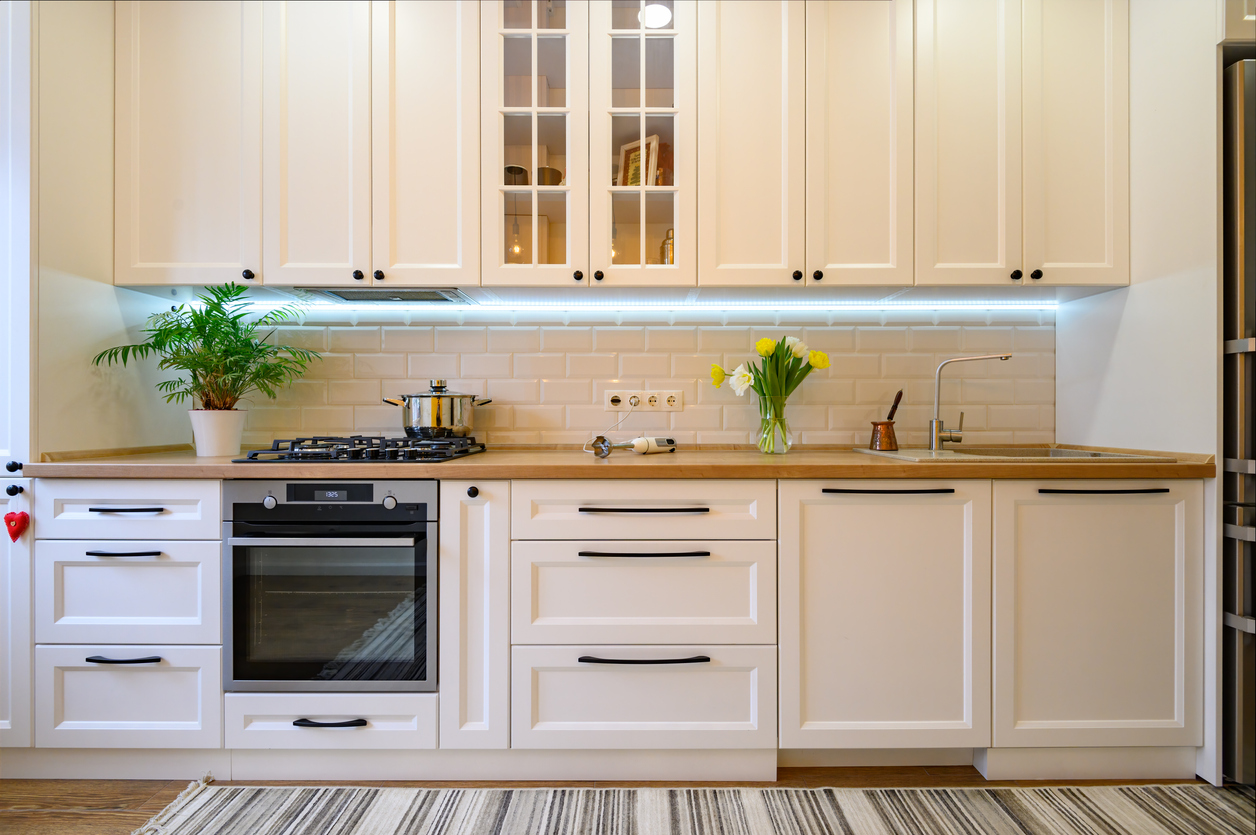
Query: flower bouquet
x,y
783,366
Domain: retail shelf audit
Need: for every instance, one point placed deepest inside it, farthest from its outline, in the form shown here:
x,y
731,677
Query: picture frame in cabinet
x,y
631,165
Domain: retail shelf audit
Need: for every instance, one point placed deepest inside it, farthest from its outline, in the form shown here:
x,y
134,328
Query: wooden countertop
x,y
551,463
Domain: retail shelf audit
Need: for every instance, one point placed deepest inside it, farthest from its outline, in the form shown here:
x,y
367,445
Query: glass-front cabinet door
x,y
643,141
534,143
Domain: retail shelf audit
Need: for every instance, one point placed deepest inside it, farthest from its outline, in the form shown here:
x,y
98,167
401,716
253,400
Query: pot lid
x,y
439,389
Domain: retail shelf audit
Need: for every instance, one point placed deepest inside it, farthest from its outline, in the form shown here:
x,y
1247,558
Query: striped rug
x,y
1108,810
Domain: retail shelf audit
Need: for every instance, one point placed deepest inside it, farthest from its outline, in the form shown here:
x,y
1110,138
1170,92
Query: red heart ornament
x,y
16,523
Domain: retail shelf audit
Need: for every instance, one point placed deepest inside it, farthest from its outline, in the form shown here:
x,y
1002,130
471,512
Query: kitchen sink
x,y
1027,454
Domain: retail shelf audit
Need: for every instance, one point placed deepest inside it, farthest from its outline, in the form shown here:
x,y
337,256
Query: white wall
x,y
80,311
15,283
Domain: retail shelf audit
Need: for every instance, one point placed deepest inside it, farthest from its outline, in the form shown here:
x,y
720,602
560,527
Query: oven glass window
x,y
330,613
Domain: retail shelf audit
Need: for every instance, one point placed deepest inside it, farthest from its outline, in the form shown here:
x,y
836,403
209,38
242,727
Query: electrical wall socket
x,y
646,401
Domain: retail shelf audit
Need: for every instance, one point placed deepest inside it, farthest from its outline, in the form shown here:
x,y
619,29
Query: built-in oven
x,y
329,585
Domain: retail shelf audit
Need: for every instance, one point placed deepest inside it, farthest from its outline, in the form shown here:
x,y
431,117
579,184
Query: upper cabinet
x,y
187,181
1022,152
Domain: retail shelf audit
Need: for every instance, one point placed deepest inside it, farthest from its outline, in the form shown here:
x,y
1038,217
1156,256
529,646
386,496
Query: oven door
x,y
330,614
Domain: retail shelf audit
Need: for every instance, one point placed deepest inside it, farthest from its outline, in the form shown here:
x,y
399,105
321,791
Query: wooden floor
x,y
118,807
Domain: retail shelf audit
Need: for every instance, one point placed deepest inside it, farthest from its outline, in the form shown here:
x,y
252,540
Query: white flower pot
x,y
217,431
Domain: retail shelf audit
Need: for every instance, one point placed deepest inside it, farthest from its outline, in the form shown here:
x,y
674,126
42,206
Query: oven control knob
x,y
389,503
269,502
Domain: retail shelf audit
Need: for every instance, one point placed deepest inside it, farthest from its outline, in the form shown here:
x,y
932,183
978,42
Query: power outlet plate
x,y
647,401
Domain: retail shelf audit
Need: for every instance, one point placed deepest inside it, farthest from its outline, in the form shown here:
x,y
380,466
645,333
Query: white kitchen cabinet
x,y
577,697
751,178
425,224
99,508
859,142
885,614
316,141
172,702
1022,153
643,509
651,592
15,624
381,720
187,149
1098,613
128,592
474,614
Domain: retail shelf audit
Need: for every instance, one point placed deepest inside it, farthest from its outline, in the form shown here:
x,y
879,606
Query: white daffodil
x,y
796,347
741,379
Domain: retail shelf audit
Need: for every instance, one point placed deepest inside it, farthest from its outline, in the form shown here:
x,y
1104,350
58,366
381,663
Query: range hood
x,y
426,295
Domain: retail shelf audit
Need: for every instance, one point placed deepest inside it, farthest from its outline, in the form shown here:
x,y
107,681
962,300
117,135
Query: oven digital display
x,y
331,492
331,495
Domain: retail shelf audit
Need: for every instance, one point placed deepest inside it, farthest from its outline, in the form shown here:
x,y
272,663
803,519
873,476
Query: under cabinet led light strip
x,y
678,307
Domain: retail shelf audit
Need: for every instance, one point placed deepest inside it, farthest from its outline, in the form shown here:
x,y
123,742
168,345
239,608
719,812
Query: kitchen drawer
x,y
655,509
557,701
393,720
127,592
712,591
174,703
92,508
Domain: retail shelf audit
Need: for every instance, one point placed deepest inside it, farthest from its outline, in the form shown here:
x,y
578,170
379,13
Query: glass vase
x,y
774,434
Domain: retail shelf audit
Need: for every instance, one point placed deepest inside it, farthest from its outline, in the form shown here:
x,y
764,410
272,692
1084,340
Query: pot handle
x,y
481,402
394,402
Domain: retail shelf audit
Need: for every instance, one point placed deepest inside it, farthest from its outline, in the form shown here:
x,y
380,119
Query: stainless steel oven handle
x,y
316,542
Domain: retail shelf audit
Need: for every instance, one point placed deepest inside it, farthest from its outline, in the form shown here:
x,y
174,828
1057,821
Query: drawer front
x,y
90,508
174,703
127,592
657,509
557,701
264,720
713,591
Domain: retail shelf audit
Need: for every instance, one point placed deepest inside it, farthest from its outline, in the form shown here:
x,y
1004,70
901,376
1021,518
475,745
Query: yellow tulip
x,y
765,346
717,376
818,359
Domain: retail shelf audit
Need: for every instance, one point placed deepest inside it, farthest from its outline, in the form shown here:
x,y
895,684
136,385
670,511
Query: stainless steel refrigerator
x,y
1239,477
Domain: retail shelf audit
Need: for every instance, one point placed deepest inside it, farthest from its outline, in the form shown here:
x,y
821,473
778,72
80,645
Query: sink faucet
x,y
936,433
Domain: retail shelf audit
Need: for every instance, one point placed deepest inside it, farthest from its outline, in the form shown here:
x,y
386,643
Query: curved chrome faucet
x,y
936,433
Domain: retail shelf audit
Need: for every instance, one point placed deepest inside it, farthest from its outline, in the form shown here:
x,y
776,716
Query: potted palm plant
x,y
224,354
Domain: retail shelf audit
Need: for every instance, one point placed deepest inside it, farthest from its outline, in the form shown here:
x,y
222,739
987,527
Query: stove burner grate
x,y
362,448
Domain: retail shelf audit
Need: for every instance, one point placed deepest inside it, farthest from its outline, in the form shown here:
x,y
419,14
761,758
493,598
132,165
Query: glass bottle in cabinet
x,y
534,142
642,134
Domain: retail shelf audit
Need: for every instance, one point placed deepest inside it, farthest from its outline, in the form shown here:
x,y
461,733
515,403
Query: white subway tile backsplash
x,y
694,365
986,340
988,391
461,340
540,417
593,366
379,365
433,366
565,391
353,391
540,365
518,340
353,340
322,420
880,340
567,339
485,365
666,340
1034,339
644,365
830,340
523,392
619,339
408,340
698,417
1014,417
935,339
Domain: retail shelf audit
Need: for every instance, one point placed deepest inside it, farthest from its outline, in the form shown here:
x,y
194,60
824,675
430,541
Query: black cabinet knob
x,y
797,275
817,275
13,466
473,491
357,275
14,489
598,275
248,275
1016,275
578,276
379,275
1036,274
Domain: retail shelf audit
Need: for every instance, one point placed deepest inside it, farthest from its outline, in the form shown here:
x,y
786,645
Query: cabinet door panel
x,y
15,625
859,142
968,141
1097,636
426,163
885,615
187,142
1076,144
751,180
316,140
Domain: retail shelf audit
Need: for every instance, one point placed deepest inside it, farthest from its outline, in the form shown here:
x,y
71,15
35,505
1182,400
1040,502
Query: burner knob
x,y
389,503
269,502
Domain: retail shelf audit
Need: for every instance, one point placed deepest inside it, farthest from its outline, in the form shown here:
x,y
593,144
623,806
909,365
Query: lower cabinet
x,y
643,697
331,720
15,624
1098,621
885,614
132,696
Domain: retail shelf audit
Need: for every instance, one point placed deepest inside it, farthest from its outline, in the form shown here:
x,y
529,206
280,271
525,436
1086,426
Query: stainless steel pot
x,y
438,413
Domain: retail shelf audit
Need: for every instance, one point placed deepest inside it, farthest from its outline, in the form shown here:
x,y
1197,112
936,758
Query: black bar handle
x,y
892,492
644,510
123,553
1059,492
100,659
643,554
593,659
126,510
310,723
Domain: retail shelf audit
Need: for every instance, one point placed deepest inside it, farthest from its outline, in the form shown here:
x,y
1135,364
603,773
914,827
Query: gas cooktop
x,y
322,449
